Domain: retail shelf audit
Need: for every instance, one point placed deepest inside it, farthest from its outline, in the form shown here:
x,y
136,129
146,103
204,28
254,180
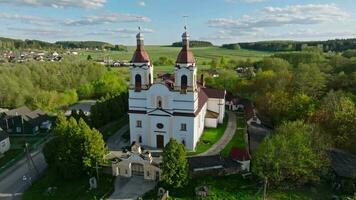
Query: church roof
x,y
185,55
140,55
214,93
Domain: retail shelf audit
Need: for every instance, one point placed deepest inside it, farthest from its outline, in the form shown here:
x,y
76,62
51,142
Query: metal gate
x,y
137,169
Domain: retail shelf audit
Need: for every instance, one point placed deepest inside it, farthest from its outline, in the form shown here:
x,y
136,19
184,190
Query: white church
x,y
170,106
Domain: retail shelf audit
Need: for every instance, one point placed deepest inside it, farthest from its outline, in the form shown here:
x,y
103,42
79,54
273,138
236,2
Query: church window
x,y
148,173
183,127
139,123
140,139
159,126
159,102
184,83
137,83
149,79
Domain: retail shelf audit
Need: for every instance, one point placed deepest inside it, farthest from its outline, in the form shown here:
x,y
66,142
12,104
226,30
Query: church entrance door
x,y
160,141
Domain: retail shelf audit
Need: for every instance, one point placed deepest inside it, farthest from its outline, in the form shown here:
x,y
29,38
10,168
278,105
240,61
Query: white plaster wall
x,y
218,106
188,135
4,145
136,131
211,122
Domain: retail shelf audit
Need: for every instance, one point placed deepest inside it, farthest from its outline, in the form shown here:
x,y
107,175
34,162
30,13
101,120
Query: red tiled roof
x,y
214,93
240,154
202,99
185,55
140,55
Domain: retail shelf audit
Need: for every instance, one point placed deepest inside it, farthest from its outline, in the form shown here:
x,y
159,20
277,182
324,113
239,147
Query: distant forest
x,y
194,43
337,45
8,43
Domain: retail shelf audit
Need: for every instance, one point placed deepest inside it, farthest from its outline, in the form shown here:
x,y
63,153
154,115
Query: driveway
x,y
228,135
131,188
116,142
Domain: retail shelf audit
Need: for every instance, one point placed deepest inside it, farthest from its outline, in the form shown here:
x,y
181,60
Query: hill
x,y
337,45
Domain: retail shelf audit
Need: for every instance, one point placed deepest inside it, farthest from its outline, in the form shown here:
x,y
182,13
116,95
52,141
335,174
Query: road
x,y
12,181
228,135
116,142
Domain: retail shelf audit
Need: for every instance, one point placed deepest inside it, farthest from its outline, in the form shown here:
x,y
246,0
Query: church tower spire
x,y
141,69
185,70
140,55
185,56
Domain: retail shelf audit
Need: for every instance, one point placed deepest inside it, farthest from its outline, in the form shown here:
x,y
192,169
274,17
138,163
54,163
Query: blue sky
x,y
219,21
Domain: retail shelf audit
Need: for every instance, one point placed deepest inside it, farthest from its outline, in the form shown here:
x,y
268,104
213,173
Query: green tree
x,y
309,79
75,149
175,165
293,154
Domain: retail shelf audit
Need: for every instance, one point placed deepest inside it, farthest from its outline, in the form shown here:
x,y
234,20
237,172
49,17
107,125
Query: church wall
x,y
218,106
165,131
135,131
188,135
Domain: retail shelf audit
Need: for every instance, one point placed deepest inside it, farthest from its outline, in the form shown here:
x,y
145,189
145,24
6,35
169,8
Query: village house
x,y
173,106
24,121
4,142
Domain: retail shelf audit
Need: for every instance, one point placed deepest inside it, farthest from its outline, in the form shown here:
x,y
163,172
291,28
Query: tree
x,y
175,165
89,57
75,149
309,79
293,154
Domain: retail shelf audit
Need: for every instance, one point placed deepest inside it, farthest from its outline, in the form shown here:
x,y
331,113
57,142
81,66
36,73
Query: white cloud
x,y
141,3
57,3
278,17
27,19
108,18
39,31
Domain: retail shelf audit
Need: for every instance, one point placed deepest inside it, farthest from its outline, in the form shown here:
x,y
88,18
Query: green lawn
x,y
210,137
234,187
202,54
76,189
239,138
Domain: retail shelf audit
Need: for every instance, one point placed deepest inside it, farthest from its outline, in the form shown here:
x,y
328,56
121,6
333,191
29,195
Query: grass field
x,y
202,54
76,189
239,138
210,137
234,187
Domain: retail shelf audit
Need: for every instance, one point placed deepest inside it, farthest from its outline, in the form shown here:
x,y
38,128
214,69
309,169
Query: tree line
x,y
12,44
337,45
193,43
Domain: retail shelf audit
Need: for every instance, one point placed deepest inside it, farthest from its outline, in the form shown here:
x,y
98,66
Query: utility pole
x,y
30,160
97,170
265,189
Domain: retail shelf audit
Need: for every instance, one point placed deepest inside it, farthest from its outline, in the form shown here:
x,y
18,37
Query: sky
x,y
162,21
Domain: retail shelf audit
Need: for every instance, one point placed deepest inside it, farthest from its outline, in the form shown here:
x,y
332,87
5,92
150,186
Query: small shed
x,y
242,156
4,141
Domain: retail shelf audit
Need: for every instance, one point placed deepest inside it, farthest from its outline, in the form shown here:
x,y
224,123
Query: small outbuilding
x,y
135,163
242,156
4,142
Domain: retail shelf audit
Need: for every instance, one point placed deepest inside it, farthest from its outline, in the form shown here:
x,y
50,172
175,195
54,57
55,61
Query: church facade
x,y
170,106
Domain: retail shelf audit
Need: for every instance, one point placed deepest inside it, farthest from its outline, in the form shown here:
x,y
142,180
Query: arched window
x,y
183,82
159,102
138,82
149,79
140,139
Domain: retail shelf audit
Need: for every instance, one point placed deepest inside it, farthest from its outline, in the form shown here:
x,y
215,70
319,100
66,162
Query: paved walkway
x,y
131,188
116,142
228,135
